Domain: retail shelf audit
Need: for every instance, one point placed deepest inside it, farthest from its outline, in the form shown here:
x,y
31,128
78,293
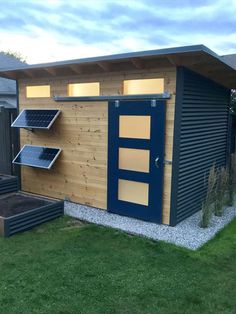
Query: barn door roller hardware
x,y
153,103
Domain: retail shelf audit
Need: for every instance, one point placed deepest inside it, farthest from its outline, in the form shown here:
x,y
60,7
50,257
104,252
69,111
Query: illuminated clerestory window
x,y
84,89
39,91
143,86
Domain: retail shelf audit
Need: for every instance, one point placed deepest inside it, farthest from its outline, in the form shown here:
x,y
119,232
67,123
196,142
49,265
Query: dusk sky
x,y
44,31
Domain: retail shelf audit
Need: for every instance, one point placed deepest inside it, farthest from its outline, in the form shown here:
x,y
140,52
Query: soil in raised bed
x,y
16,203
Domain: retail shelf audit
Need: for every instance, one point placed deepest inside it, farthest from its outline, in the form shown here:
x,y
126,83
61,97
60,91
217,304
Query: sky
x,y
53,30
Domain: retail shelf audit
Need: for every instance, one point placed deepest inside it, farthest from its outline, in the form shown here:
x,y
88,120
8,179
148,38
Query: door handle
x,y
157,161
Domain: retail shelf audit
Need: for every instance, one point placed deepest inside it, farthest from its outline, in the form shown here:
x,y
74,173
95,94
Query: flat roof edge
x,y
117,57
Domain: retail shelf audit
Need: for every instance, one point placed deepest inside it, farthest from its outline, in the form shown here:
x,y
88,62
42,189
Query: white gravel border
x,y
187,234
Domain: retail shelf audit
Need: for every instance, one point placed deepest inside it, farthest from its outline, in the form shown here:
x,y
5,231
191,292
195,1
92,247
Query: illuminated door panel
x,y
134,192
134,159
135,126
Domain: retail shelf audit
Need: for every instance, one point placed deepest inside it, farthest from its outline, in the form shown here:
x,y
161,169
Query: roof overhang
x,y
197,58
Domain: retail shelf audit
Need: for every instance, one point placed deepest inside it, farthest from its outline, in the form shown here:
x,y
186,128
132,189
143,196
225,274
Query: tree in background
x,y
14,54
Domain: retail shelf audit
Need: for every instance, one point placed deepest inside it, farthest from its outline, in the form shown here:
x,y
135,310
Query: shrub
x,y
222,189
231,187
207,206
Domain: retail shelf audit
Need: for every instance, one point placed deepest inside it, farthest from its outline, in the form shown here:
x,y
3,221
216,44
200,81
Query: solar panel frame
x,y
35,127
41,167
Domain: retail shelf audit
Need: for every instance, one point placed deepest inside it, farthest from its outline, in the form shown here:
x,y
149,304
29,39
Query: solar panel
x,y
36,118
37,156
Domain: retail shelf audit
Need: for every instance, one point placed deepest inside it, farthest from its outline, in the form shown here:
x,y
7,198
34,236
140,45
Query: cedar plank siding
x,y
80,173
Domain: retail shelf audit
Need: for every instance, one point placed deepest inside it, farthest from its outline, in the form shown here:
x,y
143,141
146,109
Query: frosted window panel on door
x,y
134,159
135,127
133,192
143,86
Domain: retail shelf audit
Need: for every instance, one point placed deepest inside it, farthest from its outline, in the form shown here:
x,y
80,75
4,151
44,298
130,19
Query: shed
x,y
136,134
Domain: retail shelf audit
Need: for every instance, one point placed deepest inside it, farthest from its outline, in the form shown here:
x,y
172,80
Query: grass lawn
x,y
64,267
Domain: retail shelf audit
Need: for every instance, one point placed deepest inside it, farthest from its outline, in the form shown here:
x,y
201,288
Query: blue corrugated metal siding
x,y
201,139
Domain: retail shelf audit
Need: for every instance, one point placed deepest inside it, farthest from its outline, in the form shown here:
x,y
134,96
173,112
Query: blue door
x,y
135,158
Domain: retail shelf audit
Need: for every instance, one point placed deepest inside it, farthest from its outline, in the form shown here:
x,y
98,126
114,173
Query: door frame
x,y
156,109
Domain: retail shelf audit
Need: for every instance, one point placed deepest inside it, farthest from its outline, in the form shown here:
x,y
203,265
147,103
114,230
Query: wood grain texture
x,y
81,132
80,171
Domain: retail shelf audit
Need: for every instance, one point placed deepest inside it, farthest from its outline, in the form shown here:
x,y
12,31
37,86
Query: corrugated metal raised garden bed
x,y
20,212
8,184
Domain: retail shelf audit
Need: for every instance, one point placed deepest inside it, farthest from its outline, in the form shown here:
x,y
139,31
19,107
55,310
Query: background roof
x,y
230,59
8,87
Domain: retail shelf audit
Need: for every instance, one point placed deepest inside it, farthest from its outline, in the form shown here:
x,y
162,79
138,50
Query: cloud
x,y
56,30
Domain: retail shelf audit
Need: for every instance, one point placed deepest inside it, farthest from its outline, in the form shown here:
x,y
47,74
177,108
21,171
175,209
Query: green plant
x,y
233,101
207,206
231,187
14,54
65,268
222,188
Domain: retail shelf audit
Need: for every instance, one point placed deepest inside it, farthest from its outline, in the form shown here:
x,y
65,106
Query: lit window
x,y
145,86
84,89
38,91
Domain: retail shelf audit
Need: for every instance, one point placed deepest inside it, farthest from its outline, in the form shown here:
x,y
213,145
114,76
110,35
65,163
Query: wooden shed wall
x,y
80,173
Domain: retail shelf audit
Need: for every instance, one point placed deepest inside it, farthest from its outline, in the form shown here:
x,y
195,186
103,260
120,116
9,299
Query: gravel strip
x,y
187,234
